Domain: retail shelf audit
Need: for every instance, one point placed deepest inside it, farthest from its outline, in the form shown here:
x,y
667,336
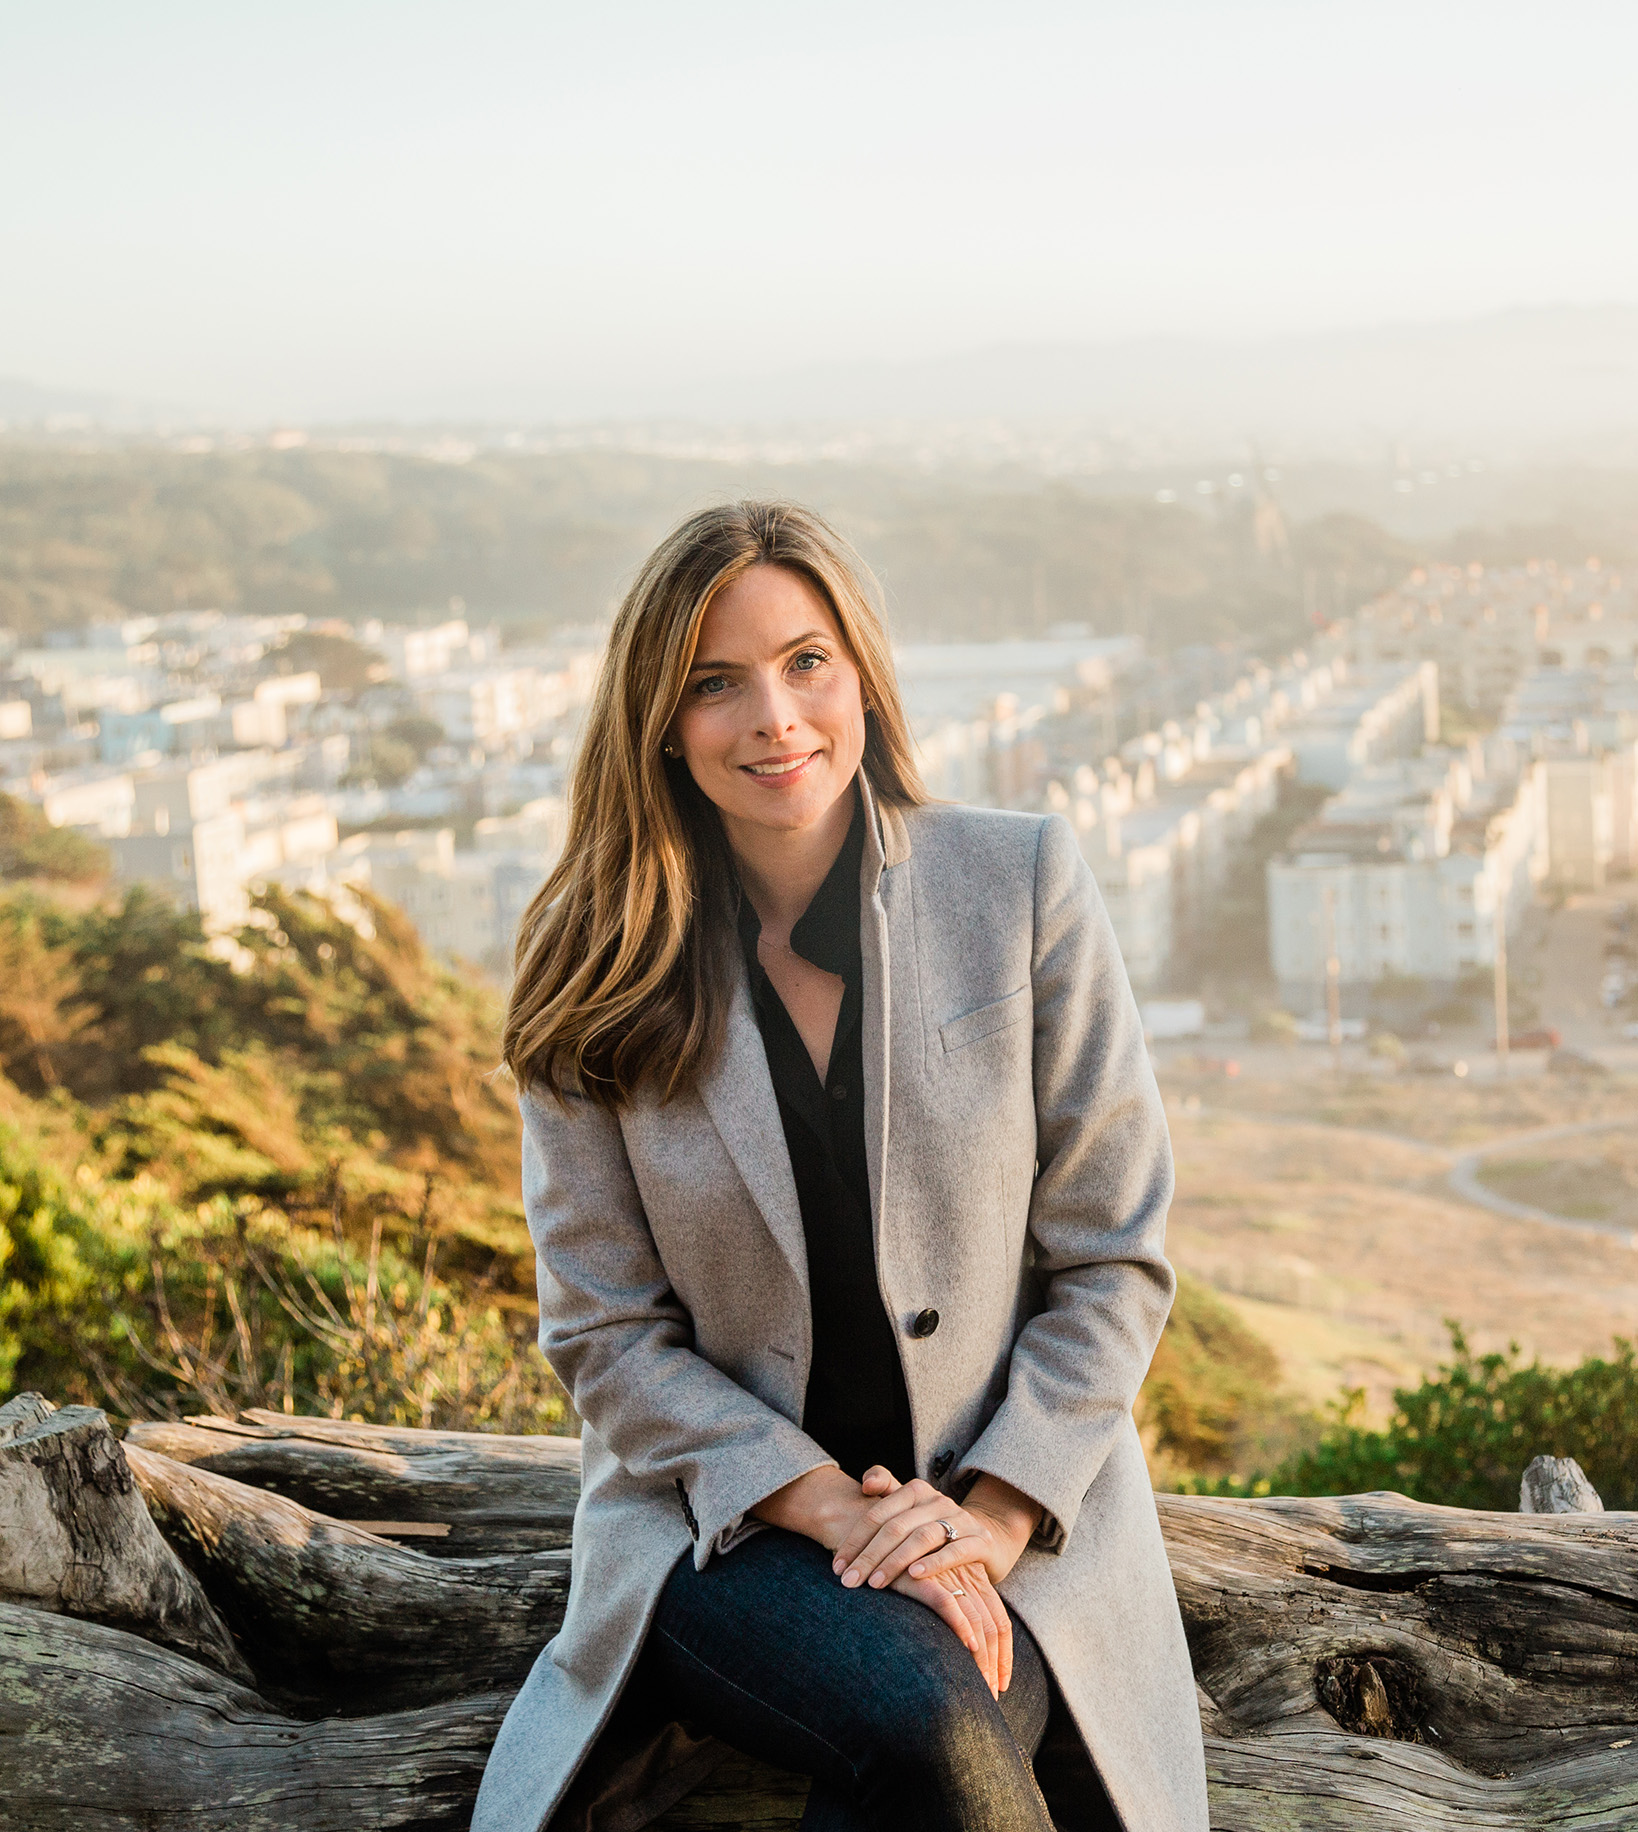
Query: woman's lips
x,y
779,770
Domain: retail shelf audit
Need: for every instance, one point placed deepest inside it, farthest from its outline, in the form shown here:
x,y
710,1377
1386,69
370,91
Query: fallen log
x,y
1366,1664
1498,1640
335,1618
101,1731
453,1493
76,1539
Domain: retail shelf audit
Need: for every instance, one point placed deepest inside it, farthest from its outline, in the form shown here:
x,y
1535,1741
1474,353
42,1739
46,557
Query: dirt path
x,y
1464,1180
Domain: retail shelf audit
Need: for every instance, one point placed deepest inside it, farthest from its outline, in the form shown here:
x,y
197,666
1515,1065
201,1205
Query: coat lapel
x,y
738,1090
739,1096
887,843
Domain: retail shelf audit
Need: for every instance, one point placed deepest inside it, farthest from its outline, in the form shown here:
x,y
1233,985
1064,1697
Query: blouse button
x,y
926,1322
838,1092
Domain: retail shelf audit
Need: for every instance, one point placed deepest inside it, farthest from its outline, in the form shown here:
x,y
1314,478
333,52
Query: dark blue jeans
x,y
867,1692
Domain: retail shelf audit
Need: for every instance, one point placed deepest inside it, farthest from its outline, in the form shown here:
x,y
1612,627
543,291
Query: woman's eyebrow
x,y
798,642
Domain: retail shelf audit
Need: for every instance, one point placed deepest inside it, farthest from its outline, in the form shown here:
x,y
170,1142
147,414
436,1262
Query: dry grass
x,y
1346,1251
1441,1110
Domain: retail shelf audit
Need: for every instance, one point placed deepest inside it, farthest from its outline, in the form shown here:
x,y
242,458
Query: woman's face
x,y
771,723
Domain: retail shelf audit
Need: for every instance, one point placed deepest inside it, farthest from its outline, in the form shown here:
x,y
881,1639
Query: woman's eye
x,y
711,686
808,660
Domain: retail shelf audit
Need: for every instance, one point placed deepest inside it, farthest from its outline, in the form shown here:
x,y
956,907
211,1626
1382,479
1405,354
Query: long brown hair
x,y
621,971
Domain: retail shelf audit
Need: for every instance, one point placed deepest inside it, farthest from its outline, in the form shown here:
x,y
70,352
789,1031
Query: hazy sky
x,y
285,207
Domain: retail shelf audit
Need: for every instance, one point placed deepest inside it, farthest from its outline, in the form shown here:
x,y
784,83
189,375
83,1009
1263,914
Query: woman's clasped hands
x,y
899,1541
887,1534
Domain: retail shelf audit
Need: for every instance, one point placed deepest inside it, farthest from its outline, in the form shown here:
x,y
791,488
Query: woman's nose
x,y
774,709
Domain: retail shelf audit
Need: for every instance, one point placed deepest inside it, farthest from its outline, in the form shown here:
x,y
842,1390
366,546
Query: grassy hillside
x,y
283,1171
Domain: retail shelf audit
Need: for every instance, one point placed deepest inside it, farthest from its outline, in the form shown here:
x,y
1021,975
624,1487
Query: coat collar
x,y
887,836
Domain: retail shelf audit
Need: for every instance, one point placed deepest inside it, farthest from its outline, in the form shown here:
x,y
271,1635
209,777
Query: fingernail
x,y
877,1580
918,1571
837,1566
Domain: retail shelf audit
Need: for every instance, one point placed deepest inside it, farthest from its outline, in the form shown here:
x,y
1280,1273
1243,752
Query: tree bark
x,y
477,1493
334,1617
76,1539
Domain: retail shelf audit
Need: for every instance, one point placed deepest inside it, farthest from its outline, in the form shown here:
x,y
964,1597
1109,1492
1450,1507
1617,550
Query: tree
x,y
30,847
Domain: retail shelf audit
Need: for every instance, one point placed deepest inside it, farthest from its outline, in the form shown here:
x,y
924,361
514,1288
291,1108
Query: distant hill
x,y
28,405
1529,378
552,540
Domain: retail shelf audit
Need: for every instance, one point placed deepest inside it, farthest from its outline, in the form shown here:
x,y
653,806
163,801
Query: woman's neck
x,y
782,868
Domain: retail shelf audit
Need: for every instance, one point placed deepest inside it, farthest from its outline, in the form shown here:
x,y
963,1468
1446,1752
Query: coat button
x,y
926,1322
941,1463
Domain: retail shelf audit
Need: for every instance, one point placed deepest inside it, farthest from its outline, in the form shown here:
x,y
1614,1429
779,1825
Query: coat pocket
x,y
997,1015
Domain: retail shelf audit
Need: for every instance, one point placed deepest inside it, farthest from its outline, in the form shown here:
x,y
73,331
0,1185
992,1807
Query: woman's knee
x,y
937,1724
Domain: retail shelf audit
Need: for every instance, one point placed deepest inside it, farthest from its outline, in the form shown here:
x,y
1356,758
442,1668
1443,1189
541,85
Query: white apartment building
x,y
1582,723
418,654
1405,874
264,719
483,706
1161,848
1372,715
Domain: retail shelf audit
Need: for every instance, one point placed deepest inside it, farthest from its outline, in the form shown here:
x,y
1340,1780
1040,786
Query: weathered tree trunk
x,y
76,1539
1498,1639
1366,1664
1374,1664
103,1732
451,1493
333,1617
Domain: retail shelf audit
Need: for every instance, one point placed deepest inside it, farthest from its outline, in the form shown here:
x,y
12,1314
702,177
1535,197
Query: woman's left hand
x,y
902,1532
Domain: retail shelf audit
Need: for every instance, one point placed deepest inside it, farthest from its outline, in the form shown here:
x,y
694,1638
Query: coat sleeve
x,y
622,1342
1098,1209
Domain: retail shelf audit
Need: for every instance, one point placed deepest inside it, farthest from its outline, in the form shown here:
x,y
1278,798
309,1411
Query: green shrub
x,y
1465,1435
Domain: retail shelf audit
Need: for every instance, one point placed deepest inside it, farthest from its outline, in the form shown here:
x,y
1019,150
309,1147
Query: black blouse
x,y
857,1407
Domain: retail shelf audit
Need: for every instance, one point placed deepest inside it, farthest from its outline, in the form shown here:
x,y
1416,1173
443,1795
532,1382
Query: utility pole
x,y
1501,980
1333,979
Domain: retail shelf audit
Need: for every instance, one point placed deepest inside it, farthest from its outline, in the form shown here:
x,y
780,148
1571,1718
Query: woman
x,y
847,1177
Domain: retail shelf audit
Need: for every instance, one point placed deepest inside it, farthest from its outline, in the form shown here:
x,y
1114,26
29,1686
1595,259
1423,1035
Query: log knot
x,y
1373,1695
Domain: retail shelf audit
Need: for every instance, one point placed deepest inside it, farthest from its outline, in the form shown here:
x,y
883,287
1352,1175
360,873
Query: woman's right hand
x,y
963,1599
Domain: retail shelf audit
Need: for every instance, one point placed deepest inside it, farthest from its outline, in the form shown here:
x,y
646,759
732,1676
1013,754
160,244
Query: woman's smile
x,y
777,770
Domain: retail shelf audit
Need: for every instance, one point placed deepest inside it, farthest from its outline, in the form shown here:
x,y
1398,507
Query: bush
x,y
1464,1436
112,1295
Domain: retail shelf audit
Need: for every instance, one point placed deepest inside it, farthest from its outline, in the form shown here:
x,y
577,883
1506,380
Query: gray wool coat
x,y
1020,1173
